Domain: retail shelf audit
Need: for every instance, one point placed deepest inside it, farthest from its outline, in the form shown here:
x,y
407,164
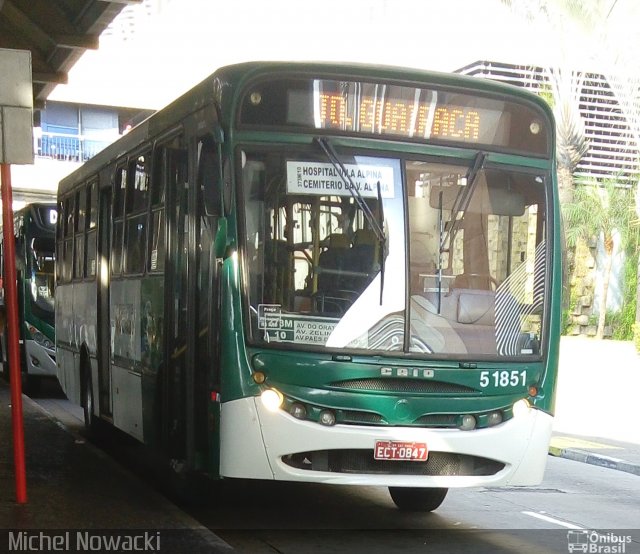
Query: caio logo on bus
x,y
412,372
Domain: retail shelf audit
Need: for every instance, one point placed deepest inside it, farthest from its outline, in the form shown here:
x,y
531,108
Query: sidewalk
x,y
72,486
597,404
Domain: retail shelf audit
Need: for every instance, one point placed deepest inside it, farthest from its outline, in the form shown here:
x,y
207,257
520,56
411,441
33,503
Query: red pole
x,y
11,306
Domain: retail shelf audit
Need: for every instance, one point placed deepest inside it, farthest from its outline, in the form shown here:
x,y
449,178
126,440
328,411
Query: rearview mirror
x,y
490,199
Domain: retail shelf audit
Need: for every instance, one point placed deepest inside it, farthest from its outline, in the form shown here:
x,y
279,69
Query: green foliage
x,y
599,208
636,336
546,94
623,321
608,209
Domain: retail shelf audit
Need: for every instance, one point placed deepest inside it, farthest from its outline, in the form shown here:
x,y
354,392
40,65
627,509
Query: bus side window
x,y
92,218
120,185
156,254
67,231
81,209
137,198
59,242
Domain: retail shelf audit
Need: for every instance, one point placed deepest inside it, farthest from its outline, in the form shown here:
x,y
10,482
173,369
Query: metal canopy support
x,y
56,34
16,146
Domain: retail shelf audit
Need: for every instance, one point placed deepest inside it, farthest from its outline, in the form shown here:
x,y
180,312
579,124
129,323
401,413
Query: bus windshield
x,y
462,251
42,269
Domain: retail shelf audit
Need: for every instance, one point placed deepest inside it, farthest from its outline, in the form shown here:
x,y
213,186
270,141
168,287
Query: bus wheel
x,y
30,384
417,499
87,402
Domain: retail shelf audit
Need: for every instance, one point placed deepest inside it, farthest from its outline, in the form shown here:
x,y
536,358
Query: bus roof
x,y
222,87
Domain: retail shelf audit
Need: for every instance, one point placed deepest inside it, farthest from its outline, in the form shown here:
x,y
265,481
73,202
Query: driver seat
x,y
473,281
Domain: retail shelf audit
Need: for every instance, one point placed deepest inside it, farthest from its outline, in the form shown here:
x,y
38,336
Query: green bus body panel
x,y
45,328
309,378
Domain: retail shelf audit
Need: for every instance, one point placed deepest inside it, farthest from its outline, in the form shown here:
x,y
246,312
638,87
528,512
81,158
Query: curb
x,y
594,459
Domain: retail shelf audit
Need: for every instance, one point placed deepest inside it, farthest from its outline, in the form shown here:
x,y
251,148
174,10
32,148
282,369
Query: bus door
x,y
174,374
192,309
104,323
204,448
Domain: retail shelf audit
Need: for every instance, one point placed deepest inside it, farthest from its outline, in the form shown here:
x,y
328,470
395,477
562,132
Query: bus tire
x,y
414,499
30,383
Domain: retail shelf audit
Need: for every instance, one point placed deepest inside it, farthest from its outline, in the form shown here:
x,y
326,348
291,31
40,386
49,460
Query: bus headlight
x,y
468,423
521,407
494,418
36,335
298,410
271,399
327,417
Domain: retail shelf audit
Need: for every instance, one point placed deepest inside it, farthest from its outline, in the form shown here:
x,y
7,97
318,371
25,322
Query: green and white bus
x,y
34,230
329,273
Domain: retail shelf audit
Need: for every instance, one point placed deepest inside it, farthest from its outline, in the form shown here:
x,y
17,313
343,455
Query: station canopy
x,y
57,32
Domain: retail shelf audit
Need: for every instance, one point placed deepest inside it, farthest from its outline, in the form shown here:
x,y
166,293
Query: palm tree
x,y
601,210
571,141
615,50
565,83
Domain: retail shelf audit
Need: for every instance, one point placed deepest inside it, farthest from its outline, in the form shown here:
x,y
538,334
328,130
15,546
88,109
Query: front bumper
x,y
256,442
40,360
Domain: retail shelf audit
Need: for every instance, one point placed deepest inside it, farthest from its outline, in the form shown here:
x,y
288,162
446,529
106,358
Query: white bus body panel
x,y
46,359
253,440
75,328
127,401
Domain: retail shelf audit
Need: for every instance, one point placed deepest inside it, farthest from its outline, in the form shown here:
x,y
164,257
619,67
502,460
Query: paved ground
x,y
595,423
597,409
71,485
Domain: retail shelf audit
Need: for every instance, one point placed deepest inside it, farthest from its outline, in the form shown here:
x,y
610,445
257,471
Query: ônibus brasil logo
x,y
597,543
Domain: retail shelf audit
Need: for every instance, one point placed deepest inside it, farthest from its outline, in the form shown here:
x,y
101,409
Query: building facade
x,y
612,137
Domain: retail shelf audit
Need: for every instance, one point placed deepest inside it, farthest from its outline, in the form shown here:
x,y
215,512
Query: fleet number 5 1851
x,y
503,378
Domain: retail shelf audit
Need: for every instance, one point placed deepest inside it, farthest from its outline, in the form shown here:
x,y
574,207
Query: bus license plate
x,y
400,450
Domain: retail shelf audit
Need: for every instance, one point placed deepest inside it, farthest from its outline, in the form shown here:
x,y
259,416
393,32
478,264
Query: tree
x,y
627,91
565,82
571,141
612,45
601,210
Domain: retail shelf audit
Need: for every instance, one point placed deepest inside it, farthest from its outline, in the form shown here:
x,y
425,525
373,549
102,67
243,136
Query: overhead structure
x,y
57,32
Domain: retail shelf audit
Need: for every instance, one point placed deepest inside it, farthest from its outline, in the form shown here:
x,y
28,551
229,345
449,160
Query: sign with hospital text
x,y
323,179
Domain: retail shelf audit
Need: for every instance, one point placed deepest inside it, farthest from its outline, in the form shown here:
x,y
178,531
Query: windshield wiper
x,y
460,204
376,226
463,198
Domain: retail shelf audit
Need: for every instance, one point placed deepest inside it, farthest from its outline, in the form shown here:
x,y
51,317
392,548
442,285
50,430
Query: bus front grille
x,y
438,420
395,385
363,462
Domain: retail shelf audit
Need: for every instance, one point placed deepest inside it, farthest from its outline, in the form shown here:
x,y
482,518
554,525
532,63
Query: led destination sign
x,y
397,111
405,117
